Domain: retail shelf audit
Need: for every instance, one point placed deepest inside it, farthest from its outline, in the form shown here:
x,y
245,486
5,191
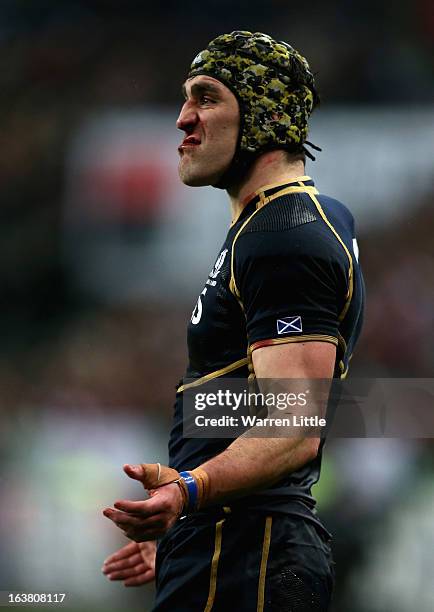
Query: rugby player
x,y
235,519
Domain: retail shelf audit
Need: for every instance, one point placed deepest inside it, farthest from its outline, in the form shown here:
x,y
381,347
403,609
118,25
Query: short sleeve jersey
x,y
288,271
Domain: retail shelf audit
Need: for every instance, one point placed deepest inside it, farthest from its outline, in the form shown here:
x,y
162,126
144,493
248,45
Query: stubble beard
x,y
196,173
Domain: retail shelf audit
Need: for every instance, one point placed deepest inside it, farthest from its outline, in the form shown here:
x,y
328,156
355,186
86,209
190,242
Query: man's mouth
x,y
190,141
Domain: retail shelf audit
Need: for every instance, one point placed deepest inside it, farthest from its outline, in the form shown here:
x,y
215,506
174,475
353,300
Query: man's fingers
x,y
122,553
142,507
129,572
128,562
147,507
122,518
134,524
140,579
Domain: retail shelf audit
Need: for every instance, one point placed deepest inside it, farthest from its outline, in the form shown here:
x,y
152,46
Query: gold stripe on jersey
x,y
203,379
349,294
345,372
345,369
232,284
343,347
303,338
214,566
264,560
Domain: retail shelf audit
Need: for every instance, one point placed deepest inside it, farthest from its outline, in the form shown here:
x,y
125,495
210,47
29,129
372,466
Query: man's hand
x,y
134,564
149,519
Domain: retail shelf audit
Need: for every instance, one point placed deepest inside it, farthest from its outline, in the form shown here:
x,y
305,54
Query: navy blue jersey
x,y
288,271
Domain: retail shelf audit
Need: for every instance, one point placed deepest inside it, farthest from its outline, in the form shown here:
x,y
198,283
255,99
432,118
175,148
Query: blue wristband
x,y
192,490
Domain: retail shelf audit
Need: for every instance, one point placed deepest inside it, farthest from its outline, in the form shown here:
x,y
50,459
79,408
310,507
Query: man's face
x,y
210,118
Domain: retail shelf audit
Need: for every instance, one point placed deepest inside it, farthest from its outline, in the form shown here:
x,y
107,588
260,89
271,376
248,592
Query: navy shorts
x,y
224,560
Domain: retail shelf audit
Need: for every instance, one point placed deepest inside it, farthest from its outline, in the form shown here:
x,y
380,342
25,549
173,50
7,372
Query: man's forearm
x,y
250,464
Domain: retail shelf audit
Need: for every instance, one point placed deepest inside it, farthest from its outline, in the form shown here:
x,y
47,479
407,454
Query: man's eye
x,y
206,100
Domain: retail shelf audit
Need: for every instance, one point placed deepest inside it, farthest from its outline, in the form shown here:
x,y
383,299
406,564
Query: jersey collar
x,y
269,192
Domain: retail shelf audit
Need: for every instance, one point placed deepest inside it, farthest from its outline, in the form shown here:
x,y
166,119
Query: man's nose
x,y
187,117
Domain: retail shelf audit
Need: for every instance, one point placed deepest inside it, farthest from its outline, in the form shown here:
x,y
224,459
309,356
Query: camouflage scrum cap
x,y
274,87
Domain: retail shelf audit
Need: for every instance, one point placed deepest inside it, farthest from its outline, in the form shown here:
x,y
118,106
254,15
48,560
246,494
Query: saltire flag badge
x,y
289,325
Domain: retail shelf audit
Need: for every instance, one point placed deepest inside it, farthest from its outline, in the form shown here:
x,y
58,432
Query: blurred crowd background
x,y
103,253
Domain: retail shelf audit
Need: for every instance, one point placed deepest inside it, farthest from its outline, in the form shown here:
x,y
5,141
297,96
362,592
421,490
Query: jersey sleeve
x,y
293,284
